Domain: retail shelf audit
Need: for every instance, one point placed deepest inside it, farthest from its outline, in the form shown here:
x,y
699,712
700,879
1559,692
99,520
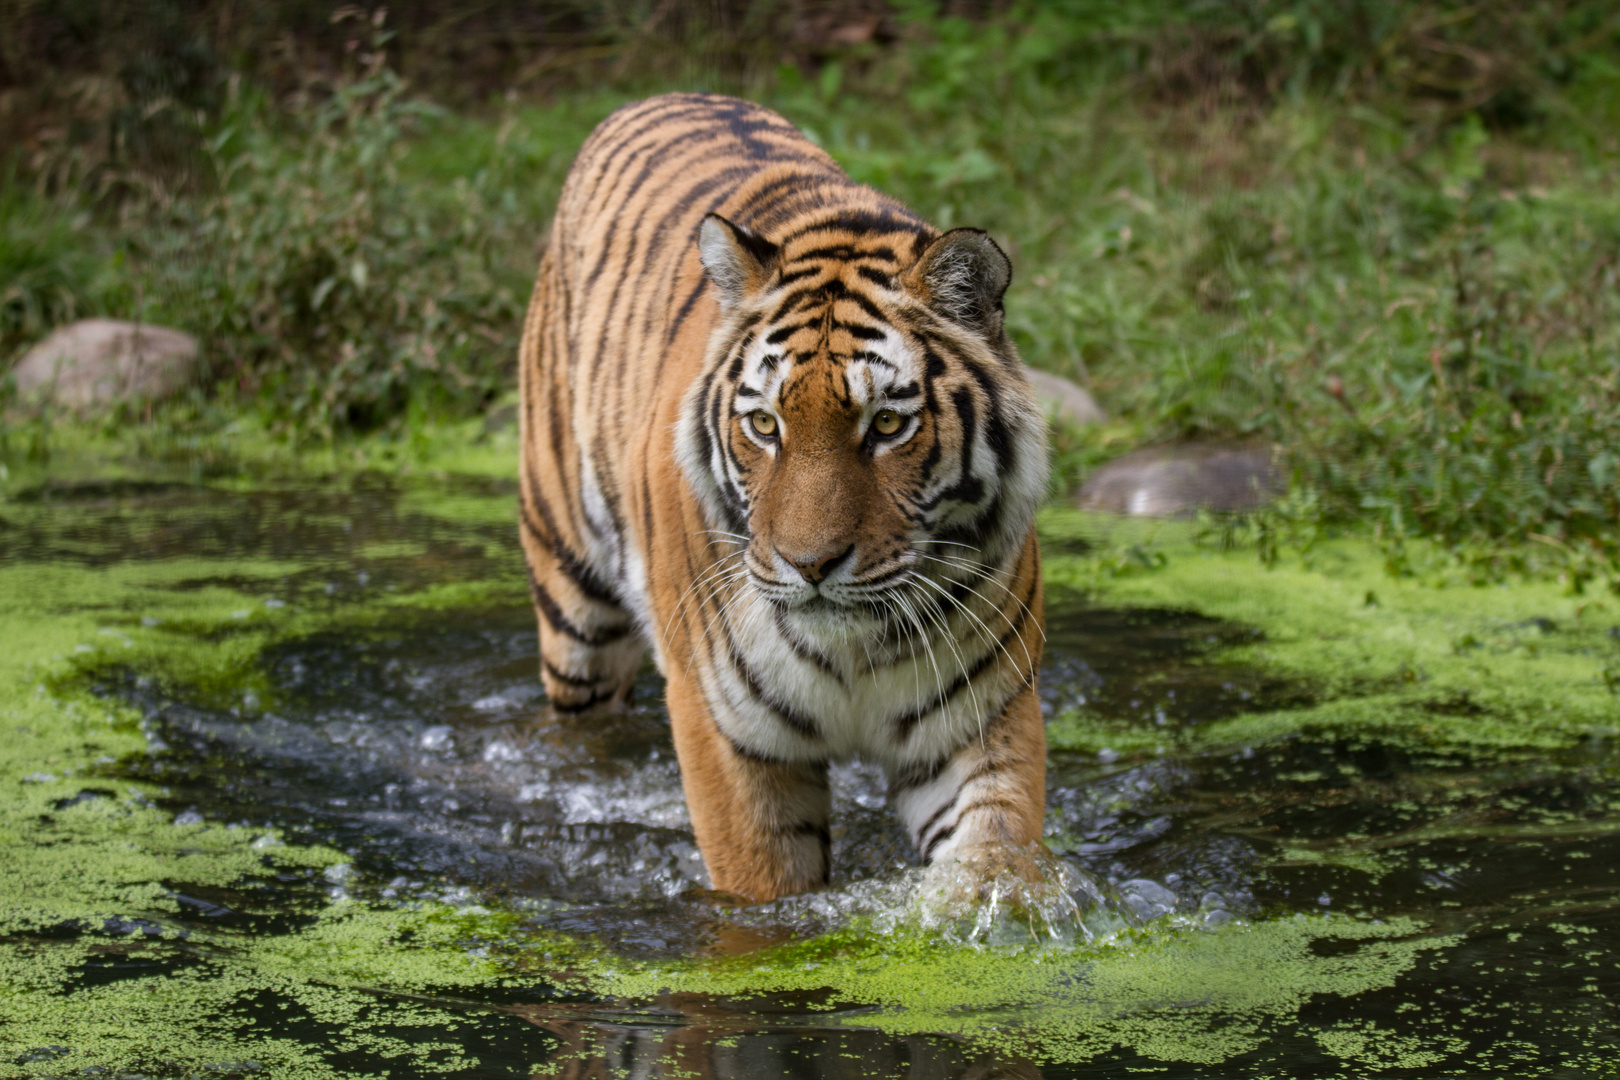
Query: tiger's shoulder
x,y
653,168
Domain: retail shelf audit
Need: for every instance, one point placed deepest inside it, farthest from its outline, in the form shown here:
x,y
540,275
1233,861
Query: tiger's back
x,y
660,341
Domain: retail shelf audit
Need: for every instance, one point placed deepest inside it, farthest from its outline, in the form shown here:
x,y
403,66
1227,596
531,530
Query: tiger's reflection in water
x,y
705,1042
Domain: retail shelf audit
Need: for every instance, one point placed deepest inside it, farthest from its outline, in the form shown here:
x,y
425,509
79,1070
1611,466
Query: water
x,y
418,745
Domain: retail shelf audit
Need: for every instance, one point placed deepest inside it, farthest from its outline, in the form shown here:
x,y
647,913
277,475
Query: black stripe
x,y
887,575
789,182
939,838
720,185
918,776
591,702
664,223
803,725
584,576
968,488
933,819
907,721
794,300
890,218
981,804
656,114
563,676
945,834
985,768
796,275
865,305
805,828
559,622
801,650
977,532
996,435
865,333
731,499
685,310
845,253
750,754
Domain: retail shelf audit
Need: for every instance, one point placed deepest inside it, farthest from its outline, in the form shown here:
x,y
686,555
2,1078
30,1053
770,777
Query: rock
x,y
1065,400
1178,481
96,363
1147,898
500,418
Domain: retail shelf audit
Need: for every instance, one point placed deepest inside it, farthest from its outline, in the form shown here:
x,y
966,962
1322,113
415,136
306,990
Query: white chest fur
x,y
798,690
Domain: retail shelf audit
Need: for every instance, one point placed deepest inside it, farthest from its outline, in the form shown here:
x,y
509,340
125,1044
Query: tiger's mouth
x,y
819,604
871,595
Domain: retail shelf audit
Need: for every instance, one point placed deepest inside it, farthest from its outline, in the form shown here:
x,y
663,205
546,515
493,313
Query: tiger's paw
x,y
997,894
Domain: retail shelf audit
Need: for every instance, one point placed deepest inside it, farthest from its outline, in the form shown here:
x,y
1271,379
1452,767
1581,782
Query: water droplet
x,y
438,737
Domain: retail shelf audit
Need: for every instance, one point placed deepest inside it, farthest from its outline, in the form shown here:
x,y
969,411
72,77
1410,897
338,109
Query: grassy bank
x,y
1303,225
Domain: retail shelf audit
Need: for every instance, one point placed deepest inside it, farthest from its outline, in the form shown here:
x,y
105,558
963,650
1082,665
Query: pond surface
x,y
1314,905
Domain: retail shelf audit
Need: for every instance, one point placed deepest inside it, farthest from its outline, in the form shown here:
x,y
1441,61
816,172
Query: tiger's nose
x,y
814,568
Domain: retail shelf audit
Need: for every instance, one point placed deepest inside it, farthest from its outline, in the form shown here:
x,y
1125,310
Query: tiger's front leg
x,y
762,825
989,795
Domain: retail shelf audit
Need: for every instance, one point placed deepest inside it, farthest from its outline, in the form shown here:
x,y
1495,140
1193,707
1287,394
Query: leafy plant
x,y
1381,235
333,287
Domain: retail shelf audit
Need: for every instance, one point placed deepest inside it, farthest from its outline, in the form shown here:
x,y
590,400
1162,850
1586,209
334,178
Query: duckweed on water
x,y
1428,661
1185,997
138,932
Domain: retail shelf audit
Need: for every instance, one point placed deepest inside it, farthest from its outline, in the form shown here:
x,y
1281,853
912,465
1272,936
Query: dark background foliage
x,y
1384,235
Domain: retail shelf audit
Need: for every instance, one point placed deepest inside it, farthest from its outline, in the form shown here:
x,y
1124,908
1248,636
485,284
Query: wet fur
x,y
652,516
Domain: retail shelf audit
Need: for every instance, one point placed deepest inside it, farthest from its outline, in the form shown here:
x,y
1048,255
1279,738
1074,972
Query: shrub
x,y
53,268
334,288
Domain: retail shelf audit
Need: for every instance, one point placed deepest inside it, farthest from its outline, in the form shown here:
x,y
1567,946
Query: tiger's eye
x,y
887,422
763,422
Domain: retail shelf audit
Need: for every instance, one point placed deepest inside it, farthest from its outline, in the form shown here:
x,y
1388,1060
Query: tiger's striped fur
x,y
811,592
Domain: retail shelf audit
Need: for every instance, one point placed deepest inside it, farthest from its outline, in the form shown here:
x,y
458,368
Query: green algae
x,y
1429,661
247,453
1190,996
78,850
198,1019
381,984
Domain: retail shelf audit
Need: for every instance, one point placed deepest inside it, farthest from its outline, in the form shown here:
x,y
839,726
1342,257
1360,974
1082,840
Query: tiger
x,y
773,429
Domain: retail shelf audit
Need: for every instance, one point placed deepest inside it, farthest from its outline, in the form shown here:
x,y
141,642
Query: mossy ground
x,y
104,957
1428,659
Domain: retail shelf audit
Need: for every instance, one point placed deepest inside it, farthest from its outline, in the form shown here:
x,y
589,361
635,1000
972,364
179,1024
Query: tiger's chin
x,y
822,618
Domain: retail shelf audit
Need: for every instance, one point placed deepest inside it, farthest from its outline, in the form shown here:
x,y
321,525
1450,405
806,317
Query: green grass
x,y
1413,290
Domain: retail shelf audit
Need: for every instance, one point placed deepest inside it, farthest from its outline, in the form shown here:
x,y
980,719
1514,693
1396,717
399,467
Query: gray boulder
x,y
1178,481
96,363
1065,400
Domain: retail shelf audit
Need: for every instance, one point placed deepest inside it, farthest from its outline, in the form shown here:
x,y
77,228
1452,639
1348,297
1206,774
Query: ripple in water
x,y
428,755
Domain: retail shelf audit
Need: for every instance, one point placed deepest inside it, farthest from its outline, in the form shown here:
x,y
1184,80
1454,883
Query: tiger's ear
x,y
963,276
738,259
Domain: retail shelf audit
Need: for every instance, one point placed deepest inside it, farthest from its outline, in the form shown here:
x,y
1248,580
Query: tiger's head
x,y
863,421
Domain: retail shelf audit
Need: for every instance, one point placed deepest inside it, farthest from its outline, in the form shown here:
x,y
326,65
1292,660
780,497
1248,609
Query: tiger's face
x,y
864,431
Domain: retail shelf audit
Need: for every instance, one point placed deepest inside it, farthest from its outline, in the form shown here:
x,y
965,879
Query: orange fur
x,y
656,513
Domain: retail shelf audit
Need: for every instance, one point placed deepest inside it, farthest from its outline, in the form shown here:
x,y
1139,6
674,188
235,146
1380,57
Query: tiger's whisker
x,y
995,607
